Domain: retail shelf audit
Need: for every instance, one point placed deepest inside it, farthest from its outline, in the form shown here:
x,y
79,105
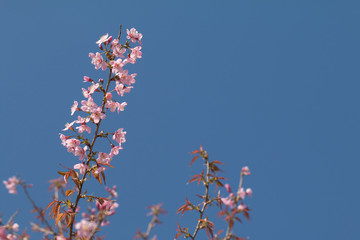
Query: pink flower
x,y
82,167
117,65
84,228
100,169
114,151
121,106
228,189
11,184
103,39
119,136
3,233
135,53
91,90
249,192
74,107
245,171
81,152
112,105
69,126
98,61
228,202
118,51
108,96
89,105
108,207
241,193
71,144
125,78
15,227
63,139
112,191
87,79
134,35
103,158
242,207
97,115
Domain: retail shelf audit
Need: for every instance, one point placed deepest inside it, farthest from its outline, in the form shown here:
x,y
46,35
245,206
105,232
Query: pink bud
x,y
108,96
227,186
109,39
249,192
100,46
87,79
245,171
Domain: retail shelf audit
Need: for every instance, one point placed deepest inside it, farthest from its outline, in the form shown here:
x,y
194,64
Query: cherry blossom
x,y
11,184
98,61
134,35
119,136
84,228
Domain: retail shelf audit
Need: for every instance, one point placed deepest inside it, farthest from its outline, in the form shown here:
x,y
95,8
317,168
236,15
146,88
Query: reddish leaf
x,y
194,159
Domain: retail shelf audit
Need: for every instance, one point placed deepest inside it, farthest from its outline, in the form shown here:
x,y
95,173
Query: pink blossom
x,y
15,227
114,151
63,139
83,127
100,169
71,144
60,238
89,105
103,38
11,184
90,90
69,126
103,158
82,167
242,207
119,136
228,189
228,202
74,107
120,89
249,192
118,51
112,191
134,35
108,96
111,105
117,65
84,228
87,79
11,237
3,233
241,193
245,171
81,152
121,106
97,115
125,78
98,61
135,53
108,207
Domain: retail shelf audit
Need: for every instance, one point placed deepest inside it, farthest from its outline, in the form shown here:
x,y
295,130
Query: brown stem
x,y
38,209
89,157
206,200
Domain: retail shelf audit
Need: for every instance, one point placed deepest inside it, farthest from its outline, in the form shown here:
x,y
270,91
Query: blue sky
x,y
269,84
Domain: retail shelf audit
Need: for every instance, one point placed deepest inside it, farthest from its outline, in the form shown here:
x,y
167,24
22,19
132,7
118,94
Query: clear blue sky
x,y
269,84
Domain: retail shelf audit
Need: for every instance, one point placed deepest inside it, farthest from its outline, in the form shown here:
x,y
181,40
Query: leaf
x,y
58,218
69,192
103,176
193,160
61,173
49,205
